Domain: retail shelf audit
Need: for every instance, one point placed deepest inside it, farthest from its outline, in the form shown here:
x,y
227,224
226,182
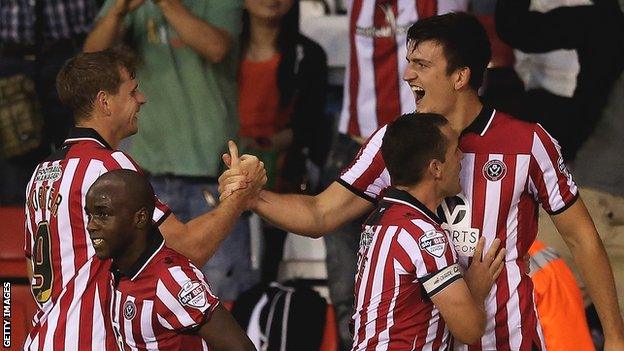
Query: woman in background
x,y
282,86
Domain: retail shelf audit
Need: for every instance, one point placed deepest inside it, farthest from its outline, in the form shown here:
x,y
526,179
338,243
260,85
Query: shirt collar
x,y
393,194
155,242
77,134
481,124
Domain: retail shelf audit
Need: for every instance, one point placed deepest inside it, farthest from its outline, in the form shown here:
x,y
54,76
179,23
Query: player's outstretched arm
x,y
578,231
312,216
222,332
461,304
200,238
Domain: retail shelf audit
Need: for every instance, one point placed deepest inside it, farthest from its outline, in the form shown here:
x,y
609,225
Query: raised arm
x,y
211,42
110,28
199,238
312,216
579,233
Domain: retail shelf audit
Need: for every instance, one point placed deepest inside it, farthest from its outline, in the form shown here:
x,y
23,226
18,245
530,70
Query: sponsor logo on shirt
x,y
129,310
52,173
193,294
433,242
456,214
390,29
494,170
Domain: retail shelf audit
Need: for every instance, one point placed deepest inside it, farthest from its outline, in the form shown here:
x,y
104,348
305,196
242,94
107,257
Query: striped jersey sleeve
x,y
431,254
550,181
367,175
183,299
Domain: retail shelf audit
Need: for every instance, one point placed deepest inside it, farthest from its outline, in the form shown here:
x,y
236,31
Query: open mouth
x,y
97,242
419,93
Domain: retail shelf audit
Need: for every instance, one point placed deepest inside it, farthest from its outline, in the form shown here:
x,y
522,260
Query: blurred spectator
x,y
595,32
374,94
190,60
282,85
36,37
558,301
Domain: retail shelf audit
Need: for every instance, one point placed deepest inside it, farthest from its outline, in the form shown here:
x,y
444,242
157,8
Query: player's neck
x,y
467,108
132,253
425,193
106,133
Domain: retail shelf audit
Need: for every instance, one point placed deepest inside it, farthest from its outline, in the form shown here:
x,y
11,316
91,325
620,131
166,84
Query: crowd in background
x,y
217,70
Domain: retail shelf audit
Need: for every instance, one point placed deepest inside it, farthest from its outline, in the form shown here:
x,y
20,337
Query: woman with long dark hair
x,y
282,86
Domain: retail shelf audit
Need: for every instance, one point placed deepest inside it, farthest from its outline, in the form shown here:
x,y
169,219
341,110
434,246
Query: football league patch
x,y
433,242
193,294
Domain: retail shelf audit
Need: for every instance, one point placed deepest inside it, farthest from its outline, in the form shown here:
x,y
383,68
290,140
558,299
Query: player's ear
x,y
102,103
435,168
462,77
141,218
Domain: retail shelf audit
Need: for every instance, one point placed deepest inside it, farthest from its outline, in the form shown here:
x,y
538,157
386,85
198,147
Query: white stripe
x,y
98,334
364,47
94,170
513,271
173,305
74,140
384,335
467,181
147,330
432,329
364,161
555,200
158,214
488,123
409,244
407,14
127,324
64,223
116,320
123,160
52,320
362,286
164,322
345,114
378,281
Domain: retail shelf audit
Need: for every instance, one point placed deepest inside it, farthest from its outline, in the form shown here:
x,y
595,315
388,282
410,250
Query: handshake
x,y
244,177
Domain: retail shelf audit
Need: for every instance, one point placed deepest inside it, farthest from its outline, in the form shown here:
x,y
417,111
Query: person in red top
x,y
409,287
159,299
509,168
68,283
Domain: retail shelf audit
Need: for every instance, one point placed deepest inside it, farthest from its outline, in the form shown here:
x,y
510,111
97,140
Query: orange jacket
x,y
559,302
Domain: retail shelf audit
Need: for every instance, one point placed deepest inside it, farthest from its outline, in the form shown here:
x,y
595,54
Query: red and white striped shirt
x,y
70,284
509,167
160,301
405,258
375,93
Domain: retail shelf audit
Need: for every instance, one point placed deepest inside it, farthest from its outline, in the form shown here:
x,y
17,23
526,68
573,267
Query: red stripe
x,y
426,8
387,291
478,205
554,155
439,333
354,73
385,61
421,337
527,225
369,285
502,284
97,275
372,173
537,176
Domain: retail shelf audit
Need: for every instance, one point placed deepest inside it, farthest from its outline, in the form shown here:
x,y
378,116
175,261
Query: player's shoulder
x,y
167,260
506,120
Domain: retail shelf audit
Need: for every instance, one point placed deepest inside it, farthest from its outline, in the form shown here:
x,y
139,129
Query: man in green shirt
x,y
190,55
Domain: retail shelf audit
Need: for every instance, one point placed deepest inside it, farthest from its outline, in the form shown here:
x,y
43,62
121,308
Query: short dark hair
x,y
138,189
463,38
410,143
84,75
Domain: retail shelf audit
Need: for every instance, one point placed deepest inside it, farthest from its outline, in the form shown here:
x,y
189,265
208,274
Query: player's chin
x,y
102,253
